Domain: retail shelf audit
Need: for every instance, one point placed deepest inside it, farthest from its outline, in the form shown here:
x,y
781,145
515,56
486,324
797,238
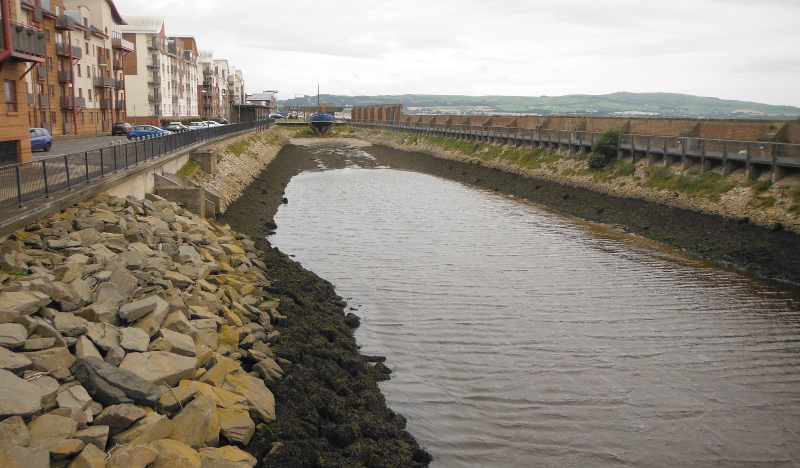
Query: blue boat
x,y
320,122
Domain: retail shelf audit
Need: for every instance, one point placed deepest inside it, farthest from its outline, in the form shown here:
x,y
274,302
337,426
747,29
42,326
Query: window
x,y
79,70
47,35
91,118
88,71
90,95
80,117
52,90
10,88
49,63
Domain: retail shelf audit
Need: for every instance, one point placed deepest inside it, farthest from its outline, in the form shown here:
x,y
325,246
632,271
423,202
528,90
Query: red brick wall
x,y
14,125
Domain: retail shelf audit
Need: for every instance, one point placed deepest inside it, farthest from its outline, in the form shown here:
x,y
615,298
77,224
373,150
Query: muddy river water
x,y
518,337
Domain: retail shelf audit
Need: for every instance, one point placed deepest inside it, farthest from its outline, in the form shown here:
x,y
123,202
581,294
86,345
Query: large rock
x,y
262,401
222,398
103,335
12,335
236,425
55,361
174,454
132,456
152,427
74,397
13,362
84,347
268,369
14,432
28,457
111,385
134,339
226,457
151,322
24,302
90,457
174,342
66,297
159,367
197,425
178,322
94,435
69,324
120,417
223,367
135,310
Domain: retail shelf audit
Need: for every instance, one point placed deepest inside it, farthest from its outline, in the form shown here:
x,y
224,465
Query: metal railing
x,y
25,182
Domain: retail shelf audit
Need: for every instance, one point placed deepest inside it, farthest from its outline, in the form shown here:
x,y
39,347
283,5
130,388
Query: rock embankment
x,y
132,334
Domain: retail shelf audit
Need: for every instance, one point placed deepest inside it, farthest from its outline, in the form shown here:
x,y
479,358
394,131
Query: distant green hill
x,y
615,104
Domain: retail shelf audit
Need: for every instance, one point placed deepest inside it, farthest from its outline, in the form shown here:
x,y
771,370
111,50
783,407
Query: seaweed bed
x,y
330,411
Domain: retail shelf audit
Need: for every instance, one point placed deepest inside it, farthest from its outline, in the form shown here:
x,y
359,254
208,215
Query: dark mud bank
x,y
330,411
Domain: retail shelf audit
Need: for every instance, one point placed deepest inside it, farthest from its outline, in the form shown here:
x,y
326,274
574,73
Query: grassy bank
x,y
734,196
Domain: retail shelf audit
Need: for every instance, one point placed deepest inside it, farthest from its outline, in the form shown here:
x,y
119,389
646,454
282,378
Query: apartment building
x,y
22,48
213,89
90,54
162,72
236,94
72,83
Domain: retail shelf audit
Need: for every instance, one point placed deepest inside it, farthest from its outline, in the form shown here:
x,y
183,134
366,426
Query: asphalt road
x,y
68,145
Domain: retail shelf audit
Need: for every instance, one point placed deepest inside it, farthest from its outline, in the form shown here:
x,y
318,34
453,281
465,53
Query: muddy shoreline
x,y
332,412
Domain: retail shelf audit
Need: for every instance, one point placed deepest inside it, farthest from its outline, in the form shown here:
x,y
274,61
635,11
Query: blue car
x,y
145,131
41,139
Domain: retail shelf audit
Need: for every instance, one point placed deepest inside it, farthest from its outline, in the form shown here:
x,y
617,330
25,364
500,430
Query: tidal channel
x,y
519,337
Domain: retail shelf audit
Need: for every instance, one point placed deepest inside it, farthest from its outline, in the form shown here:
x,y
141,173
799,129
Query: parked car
x,y
41,139
277,115
176,127
197,125
212,123
146,131
121,128
219,120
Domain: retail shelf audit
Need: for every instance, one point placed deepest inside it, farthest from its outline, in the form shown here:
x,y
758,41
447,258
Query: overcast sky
x,y
746,50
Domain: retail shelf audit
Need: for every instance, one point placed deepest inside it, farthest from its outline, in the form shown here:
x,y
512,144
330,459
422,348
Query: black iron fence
x,y
24,182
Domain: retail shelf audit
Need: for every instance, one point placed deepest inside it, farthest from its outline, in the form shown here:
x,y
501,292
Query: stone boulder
x,y
111,385
159,367
226,457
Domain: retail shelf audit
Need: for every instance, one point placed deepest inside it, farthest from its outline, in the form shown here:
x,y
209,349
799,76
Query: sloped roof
x,y
115,13
144,24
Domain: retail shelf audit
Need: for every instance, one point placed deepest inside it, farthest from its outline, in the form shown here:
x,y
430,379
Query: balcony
x,y
65,22
154,80
118,64
44,100
101,61
31,100
66,103
174,100
119,104
97,31
154,63
105,104
65,76
119,84
41,72
122,44
28,43
64,50
152,44
154,97
104,82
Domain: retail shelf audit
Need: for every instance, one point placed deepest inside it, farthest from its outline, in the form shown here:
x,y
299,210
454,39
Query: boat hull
x,y
320,122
